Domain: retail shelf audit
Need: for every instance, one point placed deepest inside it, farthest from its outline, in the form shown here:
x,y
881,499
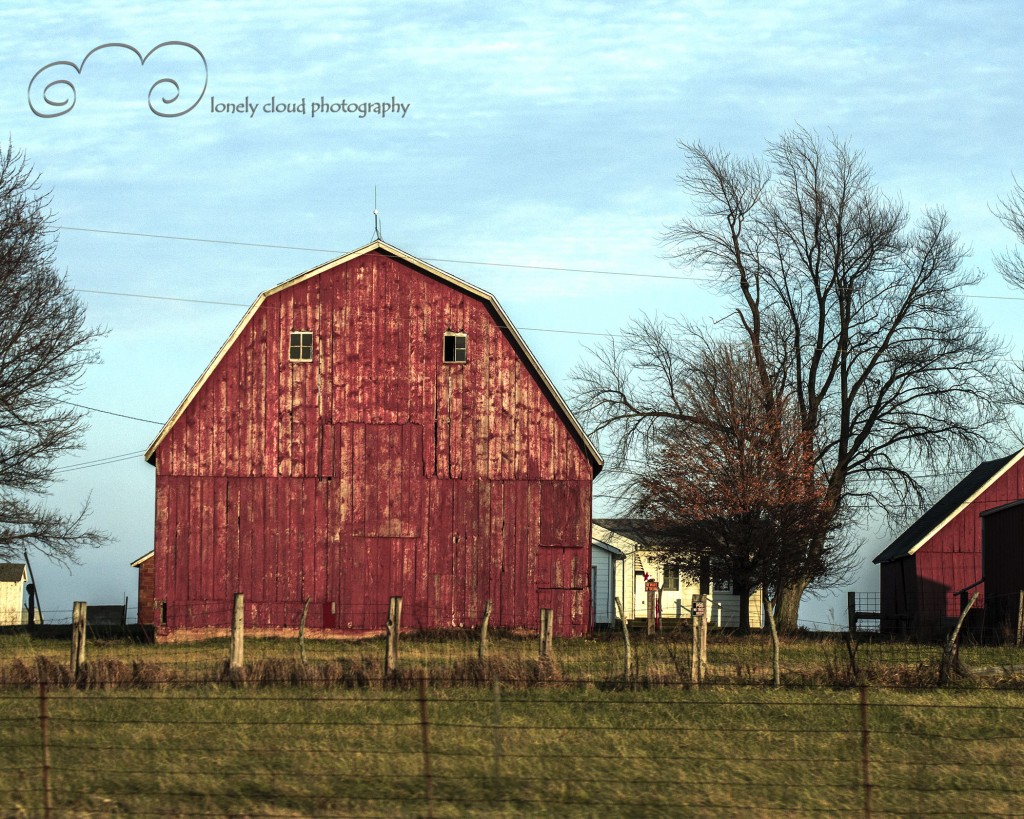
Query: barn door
x,y
561,586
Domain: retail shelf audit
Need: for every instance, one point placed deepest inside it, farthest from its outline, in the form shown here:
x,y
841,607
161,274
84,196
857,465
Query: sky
x,y
531,149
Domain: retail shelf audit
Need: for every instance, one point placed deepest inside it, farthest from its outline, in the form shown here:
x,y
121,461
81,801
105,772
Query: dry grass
x,y
169,730
450,659
547,751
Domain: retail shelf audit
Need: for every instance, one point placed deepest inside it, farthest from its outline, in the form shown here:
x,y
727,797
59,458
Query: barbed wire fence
x,y
559,749
146,728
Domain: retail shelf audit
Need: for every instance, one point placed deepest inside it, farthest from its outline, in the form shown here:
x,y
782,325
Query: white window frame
x,y
302,334
456,348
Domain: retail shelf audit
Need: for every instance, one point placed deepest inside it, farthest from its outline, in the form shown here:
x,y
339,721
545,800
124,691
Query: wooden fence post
x,y
694,648
851,613
625,634
703,648
546,626
496,724
864,756
1020,619
44,733
394,630
236,658
425,736
302,631
78,620
769,611
488,608
31,605
652,611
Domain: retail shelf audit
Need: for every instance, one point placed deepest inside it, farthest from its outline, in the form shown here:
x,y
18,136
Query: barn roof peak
x,y
948,507
379,245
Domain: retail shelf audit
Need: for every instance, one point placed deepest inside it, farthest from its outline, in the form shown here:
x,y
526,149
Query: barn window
x,y
454,348
300,346
670,581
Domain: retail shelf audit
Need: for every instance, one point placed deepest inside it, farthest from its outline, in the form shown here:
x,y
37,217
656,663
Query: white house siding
x,y
730,608
602,564
12,589
629,587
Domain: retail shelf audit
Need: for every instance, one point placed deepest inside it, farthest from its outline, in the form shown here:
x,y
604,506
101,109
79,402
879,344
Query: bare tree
x,y
1010,264
1010,211
855,312
44,349
731,484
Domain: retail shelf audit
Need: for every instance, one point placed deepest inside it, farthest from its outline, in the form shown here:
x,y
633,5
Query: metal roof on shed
x,y
12,572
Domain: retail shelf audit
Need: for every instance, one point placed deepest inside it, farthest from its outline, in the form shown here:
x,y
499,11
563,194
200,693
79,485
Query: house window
x,y
300,346
670,579
454,348
723,586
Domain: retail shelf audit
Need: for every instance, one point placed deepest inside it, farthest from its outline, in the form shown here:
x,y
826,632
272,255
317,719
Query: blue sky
x,y
537,134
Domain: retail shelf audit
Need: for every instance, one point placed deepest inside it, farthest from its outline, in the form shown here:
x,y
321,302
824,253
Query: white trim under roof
x,y
426,268
147,556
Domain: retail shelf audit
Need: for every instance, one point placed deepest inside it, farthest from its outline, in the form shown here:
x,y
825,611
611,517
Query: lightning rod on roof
x,y
376,217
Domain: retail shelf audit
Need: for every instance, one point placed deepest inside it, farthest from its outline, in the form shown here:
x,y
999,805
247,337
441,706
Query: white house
x,y
12,593
640,565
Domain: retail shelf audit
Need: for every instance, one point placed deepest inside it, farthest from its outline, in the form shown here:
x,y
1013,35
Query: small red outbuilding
x,y
928,571
372,427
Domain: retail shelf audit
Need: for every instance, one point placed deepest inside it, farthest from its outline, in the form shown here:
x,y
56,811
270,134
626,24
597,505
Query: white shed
x,y
12,593
602,581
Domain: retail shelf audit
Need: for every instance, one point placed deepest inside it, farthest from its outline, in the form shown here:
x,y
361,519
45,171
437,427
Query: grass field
x,y
663,659
571,739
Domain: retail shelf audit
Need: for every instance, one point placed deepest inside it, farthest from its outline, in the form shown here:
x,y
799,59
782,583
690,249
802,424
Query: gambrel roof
x,y
948,507
428,269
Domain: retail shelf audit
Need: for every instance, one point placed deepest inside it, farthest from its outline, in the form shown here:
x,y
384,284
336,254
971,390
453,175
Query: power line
x,y
113,459
426,259
162,298
239,304
115,414
195,239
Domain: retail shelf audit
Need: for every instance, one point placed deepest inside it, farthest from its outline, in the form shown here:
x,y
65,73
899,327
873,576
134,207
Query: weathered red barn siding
x,y
921,588
373,470
1003,561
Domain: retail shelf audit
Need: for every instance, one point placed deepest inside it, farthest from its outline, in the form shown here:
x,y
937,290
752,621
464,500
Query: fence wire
x,y
858,727
492,750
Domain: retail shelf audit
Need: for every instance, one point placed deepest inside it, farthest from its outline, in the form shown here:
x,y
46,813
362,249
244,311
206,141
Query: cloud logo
x,y
51,91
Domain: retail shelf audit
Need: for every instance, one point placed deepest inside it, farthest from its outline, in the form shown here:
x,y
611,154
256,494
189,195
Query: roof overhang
x,y
1006,506
139,561
617,554
430,270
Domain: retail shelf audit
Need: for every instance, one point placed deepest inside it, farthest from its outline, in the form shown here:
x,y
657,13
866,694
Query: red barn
x,y
926,571
372,427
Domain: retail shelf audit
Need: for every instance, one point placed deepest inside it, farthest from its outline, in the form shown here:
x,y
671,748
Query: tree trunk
x,y
788,607
744,624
